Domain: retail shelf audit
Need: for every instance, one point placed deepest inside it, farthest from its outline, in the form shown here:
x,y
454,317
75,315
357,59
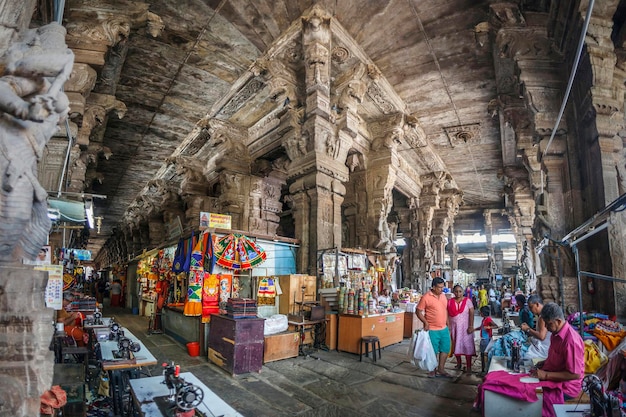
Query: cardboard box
x,y
281,346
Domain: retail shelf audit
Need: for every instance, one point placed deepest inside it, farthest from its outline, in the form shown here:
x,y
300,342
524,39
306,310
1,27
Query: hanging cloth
x,y
190,245
267,291
179,257
209,257
236,251
193,305
210,296
226,282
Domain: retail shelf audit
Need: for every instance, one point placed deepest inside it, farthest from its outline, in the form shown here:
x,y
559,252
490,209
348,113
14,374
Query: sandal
x,y
432,374
444,375
458,367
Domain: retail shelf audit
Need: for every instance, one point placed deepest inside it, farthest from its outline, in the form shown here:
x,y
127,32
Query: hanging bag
x,y
424,353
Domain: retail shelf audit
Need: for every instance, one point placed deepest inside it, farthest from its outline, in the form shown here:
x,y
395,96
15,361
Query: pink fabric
x,y
435,310
463,342
567,352
455,308
502,382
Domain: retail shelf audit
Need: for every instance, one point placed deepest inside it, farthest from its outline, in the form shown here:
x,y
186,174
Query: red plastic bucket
x,y
193,348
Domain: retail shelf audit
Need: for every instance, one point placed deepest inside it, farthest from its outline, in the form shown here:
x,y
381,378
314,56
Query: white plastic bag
x,y
275,324
423,353
411,350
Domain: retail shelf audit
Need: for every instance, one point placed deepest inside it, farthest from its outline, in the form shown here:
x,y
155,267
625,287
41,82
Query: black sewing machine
x,y
124,348
184,397
115,331
598,399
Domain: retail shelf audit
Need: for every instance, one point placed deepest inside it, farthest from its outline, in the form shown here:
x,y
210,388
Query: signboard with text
x,y
214,221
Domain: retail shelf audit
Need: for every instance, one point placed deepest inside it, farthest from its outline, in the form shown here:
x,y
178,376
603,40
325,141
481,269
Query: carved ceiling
x,y
168,69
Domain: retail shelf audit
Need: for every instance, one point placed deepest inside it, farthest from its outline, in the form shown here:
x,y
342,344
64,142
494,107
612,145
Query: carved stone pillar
x,y
156,231
317,202
271,206
303,227
454,255
233,198
413,266
26,362
608,101
553,204
379,190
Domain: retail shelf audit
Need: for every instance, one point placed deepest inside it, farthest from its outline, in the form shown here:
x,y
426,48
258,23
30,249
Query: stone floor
x,y
325,383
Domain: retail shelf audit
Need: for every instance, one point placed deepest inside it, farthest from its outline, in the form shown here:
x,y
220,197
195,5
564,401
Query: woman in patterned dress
x,y
461,313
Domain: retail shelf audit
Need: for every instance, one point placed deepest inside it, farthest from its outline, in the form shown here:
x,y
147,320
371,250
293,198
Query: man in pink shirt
x,y
432,310
566,356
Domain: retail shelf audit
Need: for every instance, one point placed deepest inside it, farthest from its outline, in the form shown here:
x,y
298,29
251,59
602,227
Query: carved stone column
x,y
26,327
608,101
317,172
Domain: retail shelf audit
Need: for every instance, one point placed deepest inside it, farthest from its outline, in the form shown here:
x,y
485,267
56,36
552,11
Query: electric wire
x,y
570,82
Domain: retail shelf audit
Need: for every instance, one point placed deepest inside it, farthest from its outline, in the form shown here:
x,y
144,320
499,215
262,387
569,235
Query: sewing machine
x,y
183,398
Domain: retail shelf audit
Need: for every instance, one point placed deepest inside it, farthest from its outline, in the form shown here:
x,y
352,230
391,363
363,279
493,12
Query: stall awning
x,y
70,210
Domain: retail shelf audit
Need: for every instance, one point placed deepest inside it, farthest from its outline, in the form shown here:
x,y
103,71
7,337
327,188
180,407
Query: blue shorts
x,y
440,340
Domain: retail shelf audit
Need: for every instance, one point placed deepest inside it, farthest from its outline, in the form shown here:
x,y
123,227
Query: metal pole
x,y
580,290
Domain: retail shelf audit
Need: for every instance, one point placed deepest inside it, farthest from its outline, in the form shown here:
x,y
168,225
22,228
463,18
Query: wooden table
x,y
302,326
389,328
144,391
122,371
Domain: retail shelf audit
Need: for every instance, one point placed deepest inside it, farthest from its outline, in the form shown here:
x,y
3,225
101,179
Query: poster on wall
x,y
54,287
44,257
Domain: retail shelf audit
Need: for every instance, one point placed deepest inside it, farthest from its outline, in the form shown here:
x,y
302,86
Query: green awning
x,y
71,211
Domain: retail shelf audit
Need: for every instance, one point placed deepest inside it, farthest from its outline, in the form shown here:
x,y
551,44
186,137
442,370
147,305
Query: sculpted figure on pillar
x,y
33,103
296,145
316,39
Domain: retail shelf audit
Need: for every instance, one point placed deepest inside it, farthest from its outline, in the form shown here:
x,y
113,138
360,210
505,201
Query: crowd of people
x,y
497,298
450,323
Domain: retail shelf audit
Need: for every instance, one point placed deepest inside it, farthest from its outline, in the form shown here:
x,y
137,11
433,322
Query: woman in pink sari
x,y
461,314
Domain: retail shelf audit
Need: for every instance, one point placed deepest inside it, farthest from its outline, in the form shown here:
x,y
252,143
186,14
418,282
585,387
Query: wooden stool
x,y
367,341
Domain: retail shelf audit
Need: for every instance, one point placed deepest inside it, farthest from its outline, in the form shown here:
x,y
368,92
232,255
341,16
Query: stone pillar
x,y
318,154
303,227
553,207
454,255
608,101
412,276
491,260
26,328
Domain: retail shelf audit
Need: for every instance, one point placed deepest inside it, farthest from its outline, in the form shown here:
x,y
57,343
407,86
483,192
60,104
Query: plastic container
x,y
136,311
193,348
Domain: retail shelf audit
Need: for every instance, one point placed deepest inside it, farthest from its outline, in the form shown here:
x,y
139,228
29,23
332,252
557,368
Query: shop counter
x,y
183,329
388,327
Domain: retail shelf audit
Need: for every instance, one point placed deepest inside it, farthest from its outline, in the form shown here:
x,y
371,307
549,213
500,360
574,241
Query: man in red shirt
x,y
566,356
432,310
